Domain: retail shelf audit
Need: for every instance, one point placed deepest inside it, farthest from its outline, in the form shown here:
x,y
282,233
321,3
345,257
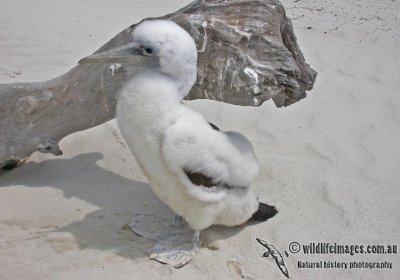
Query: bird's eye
x,y
147,51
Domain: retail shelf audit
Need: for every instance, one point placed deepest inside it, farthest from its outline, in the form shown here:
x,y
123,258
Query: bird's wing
x,y
207,160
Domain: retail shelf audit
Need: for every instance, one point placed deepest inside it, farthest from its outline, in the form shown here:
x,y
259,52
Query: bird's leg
x,y
178,220
196,240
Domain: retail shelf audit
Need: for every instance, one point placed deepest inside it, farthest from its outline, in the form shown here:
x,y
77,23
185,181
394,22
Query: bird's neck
x,y
184,76
150,96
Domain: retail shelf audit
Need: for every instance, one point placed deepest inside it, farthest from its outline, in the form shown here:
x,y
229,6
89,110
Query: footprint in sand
x,y
236,270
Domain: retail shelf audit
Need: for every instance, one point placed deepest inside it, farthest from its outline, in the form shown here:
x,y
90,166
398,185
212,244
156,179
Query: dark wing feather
x,y
199,179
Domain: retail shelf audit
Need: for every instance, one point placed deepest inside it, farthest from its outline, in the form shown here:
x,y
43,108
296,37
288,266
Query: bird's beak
x,y
128,54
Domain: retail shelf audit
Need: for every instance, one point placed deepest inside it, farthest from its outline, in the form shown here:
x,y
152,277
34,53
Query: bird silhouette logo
x,y
272,251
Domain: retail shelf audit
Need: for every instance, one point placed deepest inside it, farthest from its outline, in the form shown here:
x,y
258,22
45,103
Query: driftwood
x,y
247,55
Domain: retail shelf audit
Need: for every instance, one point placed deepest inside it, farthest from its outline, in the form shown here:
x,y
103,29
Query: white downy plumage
x,y
167,137
172,142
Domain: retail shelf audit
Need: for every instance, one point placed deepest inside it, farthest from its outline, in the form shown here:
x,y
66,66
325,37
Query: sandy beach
x,y
330,163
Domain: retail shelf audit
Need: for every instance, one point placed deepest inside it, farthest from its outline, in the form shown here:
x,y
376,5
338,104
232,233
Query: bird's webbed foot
x,y
173,251
175,240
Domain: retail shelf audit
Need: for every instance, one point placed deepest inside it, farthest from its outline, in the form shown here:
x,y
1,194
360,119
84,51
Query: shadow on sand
x,y
118,199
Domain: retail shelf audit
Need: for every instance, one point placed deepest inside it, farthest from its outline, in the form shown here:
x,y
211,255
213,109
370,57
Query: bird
x,y
272,251
201,172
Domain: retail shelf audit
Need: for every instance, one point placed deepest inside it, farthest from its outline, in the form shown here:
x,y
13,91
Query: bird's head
x,y
157,45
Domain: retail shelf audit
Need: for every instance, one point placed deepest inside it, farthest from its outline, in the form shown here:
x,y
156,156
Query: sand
x,y
330,163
